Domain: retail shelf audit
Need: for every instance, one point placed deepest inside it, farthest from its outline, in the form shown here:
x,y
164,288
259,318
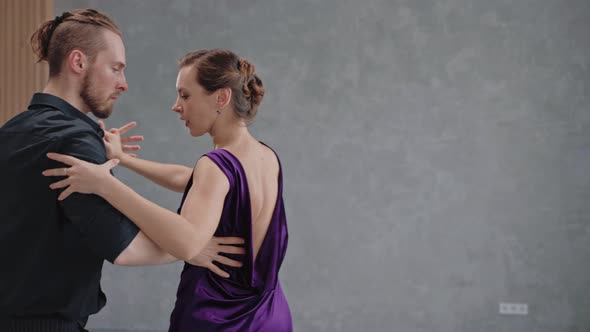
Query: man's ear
x,y
77,61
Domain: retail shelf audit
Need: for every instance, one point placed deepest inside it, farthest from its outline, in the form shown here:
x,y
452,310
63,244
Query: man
x,y
52,252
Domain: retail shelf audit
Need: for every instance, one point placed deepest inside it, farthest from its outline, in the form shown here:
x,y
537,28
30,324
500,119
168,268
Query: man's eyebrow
x,y
120,64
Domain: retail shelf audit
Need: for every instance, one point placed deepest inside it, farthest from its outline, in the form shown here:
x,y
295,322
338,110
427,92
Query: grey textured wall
x,y
436,155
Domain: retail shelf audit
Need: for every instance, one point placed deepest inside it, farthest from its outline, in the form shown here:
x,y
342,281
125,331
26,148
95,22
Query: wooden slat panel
x,y
20,75
3,58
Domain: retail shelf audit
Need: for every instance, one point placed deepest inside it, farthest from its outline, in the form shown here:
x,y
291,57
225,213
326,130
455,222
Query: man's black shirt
x,y
52,251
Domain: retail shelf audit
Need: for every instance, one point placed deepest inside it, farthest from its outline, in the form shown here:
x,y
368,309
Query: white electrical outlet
x,y
513,308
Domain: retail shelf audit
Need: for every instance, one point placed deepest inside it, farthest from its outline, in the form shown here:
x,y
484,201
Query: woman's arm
x,y
183,236
170,176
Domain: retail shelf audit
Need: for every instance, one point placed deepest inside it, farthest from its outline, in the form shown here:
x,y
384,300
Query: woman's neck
x,y
230,135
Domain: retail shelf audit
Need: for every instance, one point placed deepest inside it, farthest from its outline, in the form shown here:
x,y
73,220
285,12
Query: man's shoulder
x,y
47,122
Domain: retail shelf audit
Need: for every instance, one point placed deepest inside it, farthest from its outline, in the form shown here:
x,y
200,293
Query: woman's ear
x,y
223,98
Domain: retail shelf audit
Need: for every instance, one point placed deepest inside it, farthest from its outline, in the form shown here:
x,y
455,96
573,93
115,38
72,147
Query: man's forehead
x,y
114,44
111,57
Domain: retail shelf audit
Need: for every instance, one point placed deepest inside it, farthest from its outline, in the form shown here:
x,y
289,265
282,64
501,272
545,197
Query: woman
x,y
234,190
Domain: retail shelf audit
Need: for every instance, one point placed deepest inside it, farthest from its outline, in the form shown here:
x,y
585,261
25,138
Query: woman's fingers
x,y
56,172
73,170
136,138
123,129
68,160
131,147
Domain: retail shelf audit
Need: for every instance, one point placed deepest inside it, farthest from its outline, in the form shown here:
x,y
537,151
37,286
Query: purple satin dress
x,y
251,299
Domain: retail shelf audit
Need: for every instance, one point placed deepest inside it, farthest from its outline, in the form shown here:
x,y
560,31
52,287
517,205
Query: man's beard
x,y
101,110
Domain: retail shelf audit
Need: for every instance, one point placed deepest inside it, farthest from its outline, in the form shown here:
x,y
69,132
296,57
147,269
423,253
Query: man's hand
x,y
212,251
114,142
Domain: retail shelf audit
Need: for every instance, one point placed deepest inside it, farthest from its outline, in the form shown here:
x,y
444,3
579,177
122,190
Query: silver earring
x,y
218,112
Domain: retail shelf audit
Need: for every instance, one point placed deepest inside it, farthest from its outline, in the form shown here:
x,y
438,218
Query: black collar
x,y
44,99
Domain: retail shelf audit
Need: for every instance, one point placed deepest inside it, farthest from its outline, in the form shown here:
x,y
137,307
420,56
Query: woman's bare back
x,y
262,173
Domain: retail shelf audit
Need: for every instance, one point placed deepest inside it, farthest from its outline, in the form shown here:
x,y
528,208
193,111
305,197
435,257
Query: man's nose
x,y
123,86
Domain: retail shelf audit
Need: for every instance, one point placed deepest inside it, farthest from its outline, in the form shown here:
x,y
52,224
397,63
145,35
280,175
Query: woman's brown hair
x,y
219,68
